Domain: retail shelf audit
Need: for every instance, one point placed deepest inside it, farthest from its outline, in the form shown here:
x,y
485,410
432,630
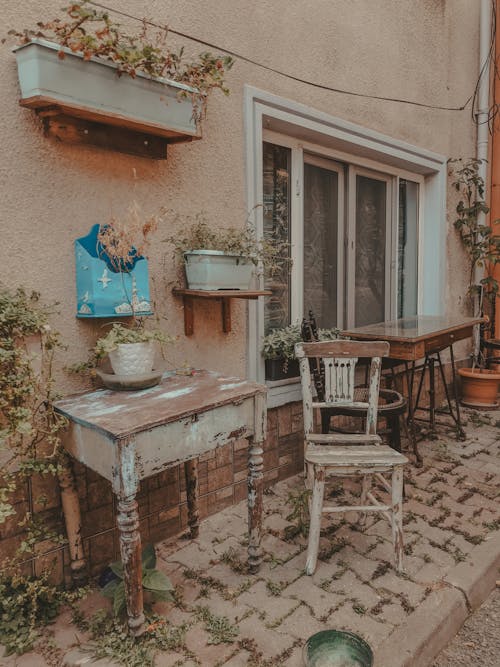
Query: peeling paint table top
x,y
119,414
128,436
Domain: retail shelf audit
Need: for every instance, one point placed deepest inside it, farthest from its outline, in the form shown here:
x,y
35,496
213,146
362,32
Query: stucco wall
x,y
51,193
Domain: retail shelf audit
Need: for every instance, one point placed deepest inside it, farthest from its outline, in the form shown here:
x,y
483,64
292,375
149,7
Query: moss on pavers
x,y
321,601
268,607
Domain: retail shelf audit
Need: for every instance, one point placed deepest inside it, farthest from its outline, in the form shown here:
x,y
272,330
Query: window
x,y
354,236
322,181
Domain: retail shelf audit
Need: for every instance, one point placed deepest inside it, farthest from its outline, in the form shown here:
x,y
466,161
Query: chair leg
x,y
366,485
397,516
315,518
309,482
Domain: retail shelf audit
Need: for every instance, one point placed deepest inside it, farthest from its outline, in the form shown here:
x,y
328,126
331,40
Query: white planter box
x,y
214,270
92,90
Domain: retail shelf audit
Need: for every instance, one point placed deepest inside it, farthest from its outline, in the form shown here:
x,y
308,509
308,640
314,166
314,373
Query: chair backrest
x,y
339,358
309,334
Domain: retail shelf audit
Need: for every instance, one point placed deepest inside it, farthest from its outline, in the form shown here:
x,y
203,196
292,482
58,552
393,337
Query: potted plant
x,y
479,384
226,259
130,349
77,65
278,350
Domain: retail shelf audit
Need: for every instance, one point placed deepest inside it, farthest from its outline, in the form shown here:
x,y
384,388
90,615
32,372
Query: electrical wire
x,y
287,75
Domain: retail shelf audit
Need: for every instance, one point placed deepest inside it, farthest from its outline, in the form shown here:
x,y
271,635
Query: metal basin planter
x,y
336,648
216,270
93,90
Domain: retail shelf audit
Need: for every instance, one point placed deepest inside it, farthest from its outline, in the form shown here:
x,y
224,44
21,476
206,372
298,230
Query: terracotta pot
x,y
479,387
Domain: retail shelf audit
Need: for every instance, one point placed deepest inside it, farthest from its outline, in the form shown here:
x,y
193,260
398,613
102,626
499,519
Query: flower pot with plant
x,y
131,351
479,385
76,66
226,259
278,350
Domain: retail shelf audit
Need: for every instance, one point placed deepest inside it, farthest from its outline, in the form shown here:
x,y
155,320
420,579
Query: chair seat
x,y
364,456
343,438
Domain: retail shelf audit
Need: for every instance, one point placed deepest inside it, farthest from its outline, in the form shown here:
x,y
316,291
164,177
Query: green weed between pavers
x,y
276,588
110,639
230,557
220,629
299,502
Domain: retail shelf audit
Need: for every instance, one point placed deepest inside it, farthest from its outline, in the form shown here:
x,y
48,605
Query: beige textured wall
x,y
50,193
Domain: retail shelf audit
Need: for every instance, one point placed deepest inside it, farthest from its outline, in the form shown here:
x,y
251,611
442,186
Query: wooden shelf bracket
x,y
223,296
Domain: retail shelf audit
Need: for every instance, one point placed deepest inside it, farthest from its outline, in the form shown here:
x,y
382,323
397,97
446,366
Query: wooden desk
x,y
128,436
422,337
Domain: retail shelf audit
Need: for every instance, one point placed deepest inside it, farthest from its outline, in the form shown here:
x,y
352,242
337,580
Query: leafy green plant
x,y
26,605
117,335
271,252
280,343
480,240
120,334
29,427
299,514
91,33
110,639
156,584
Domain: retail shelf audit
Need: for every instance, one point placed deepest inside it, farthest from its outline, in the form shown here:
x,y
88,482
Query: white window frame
x,y
323,134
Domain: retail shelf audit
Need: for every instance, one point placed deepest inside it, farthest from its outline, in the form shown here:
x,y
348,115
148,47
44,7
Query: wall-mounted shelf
x,y
224,296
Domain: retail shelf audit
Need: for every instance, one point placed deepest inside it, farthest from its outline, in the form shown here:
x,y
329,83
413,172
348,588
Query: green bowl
x,y
335,648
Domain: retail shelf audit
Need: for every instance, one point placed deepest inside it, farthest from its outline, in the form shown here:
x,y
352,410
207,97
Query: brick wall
x,y
162,499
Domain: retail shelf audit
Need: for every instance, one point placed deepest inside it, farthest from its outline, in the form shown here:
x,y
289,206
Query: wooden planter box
x,y
93,91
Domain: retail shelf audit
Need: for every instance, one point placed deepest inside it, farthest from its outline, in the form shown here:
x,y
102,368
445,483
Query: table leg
x,y
130,550
256,484
125,485
461,435
432,393
410,379
191,474
73,521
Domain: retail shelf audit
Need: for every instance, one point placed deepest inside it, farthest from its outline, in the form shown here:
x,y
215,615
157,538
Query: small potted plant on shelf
x,y
226,259
278,350
479,384
74,65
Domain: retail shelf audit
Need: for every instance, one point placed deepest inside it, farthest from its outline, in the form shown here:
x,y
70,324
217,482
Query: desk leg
x,y
191,474
73,521
256,484
432,393
410,379
125,486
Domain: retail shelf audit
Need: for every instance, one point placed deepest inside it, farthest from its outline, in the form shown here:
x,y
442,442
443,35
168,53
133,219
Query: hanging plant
x,y
91,33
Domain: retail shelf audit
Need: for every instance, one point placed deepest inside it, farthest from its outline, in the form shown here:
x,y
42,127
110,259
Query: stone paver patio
x,y
452,510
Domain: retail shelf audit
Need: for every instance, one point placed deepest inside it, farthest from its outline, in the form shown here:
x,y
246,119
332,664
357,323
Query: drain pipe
x,y
483,99
495,170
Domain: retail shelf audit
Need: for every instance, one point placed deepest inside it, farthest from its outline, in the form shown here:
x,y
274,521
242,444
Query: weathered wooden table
x,y
423,338
129,436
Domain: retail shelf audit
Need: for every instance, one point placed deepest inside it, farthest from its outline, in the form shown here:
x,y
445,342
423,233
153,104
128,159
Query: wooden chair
x,y
392,405
348,454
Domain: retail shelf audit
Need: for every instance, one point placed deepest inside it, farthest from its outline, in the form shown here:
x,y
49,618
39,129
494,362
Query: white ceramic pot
x,y
215,270
132,358
141,103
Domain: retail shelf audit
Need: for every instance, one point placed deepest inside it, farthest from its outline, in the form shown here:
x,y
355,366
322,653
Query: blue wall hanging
x,y
101,291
